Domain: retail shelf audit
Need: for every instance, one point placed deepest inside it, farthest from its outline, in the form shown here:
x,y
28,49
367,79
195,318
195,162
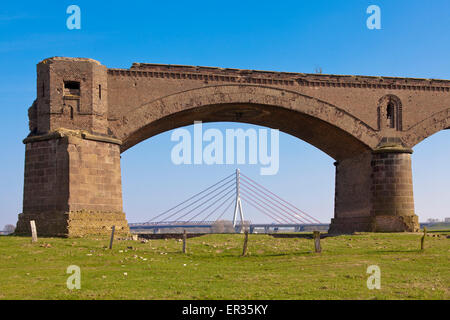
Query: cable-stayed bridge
x,y
224,200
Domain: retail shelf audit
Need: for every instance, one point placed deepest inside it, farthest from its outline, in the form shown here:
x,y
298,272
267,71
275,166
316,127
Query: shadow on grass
x,y
280,254
395,251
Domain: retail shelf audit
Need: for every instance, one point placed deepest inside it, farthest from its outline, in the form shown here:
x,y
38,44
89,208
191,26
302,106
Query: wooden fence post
x,y
33,231
422,241
112,237
184,241
317,247
244,250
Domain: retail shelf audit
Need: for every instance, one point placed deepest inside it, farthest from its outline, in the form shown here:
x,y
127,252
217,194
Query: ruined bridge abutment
x,y
85,115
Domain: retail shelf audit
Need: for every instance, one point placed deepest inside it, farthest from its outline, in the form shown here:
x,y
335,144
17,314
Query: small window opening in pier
x,y
390,114
72,88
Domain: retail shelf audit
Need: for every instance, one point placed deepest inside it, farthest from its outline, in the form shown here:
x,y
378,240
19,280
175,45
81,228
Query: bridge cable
x,y
295,214
220,216
201,204
299,211
262,205
293,218
215,210
228,190
203,210
161,214
248,196
229,187
266,214
227,183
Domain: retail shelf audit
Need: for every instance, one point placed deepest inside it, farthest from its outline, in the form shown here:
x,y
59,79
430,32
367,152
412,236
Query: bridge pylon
x,y
238,202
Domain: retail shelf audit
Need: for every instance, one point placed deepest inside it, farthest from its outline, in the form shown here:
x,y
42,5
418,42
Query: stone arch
x,y
328,127
424,129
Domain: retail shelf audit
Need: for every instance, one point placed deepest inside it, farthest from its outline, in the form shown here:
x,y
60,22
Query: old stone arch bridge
x,y
86,114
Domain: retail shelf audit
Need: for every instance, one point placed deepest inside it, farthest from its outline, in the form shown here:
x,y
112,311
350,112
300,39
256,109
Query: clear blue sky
x,y
295,36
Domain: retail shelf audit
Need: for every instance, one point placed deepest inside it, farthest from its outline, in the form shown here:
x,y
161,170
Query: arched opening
x,y
328,127
426,128
152,183
334,141
431,175
338,134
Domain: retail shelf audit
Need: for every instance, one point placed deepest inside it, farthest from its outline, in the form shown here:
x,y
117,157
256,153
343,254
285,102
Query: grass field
x,y
213,268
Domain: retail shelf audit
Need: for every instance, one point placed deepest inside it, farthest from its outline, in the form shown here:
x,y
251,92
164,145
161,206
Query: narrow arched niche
x,y
390,113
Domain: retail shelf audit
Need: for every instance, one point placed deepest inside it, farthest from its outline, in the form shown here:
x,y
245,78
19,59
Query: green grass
x,y
213,268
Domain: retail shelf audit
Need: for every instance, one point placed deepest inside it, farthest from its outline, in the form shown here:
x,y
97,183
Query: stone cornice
x,y
391,145
392,148
52,59
208,74
61,133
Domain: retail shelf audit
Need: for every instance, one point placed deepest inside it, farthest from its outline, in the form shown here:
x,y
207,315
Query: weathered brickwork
x,y
380,181
72,185
85,115
45,172
71,94
392,192
351,202
94,174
